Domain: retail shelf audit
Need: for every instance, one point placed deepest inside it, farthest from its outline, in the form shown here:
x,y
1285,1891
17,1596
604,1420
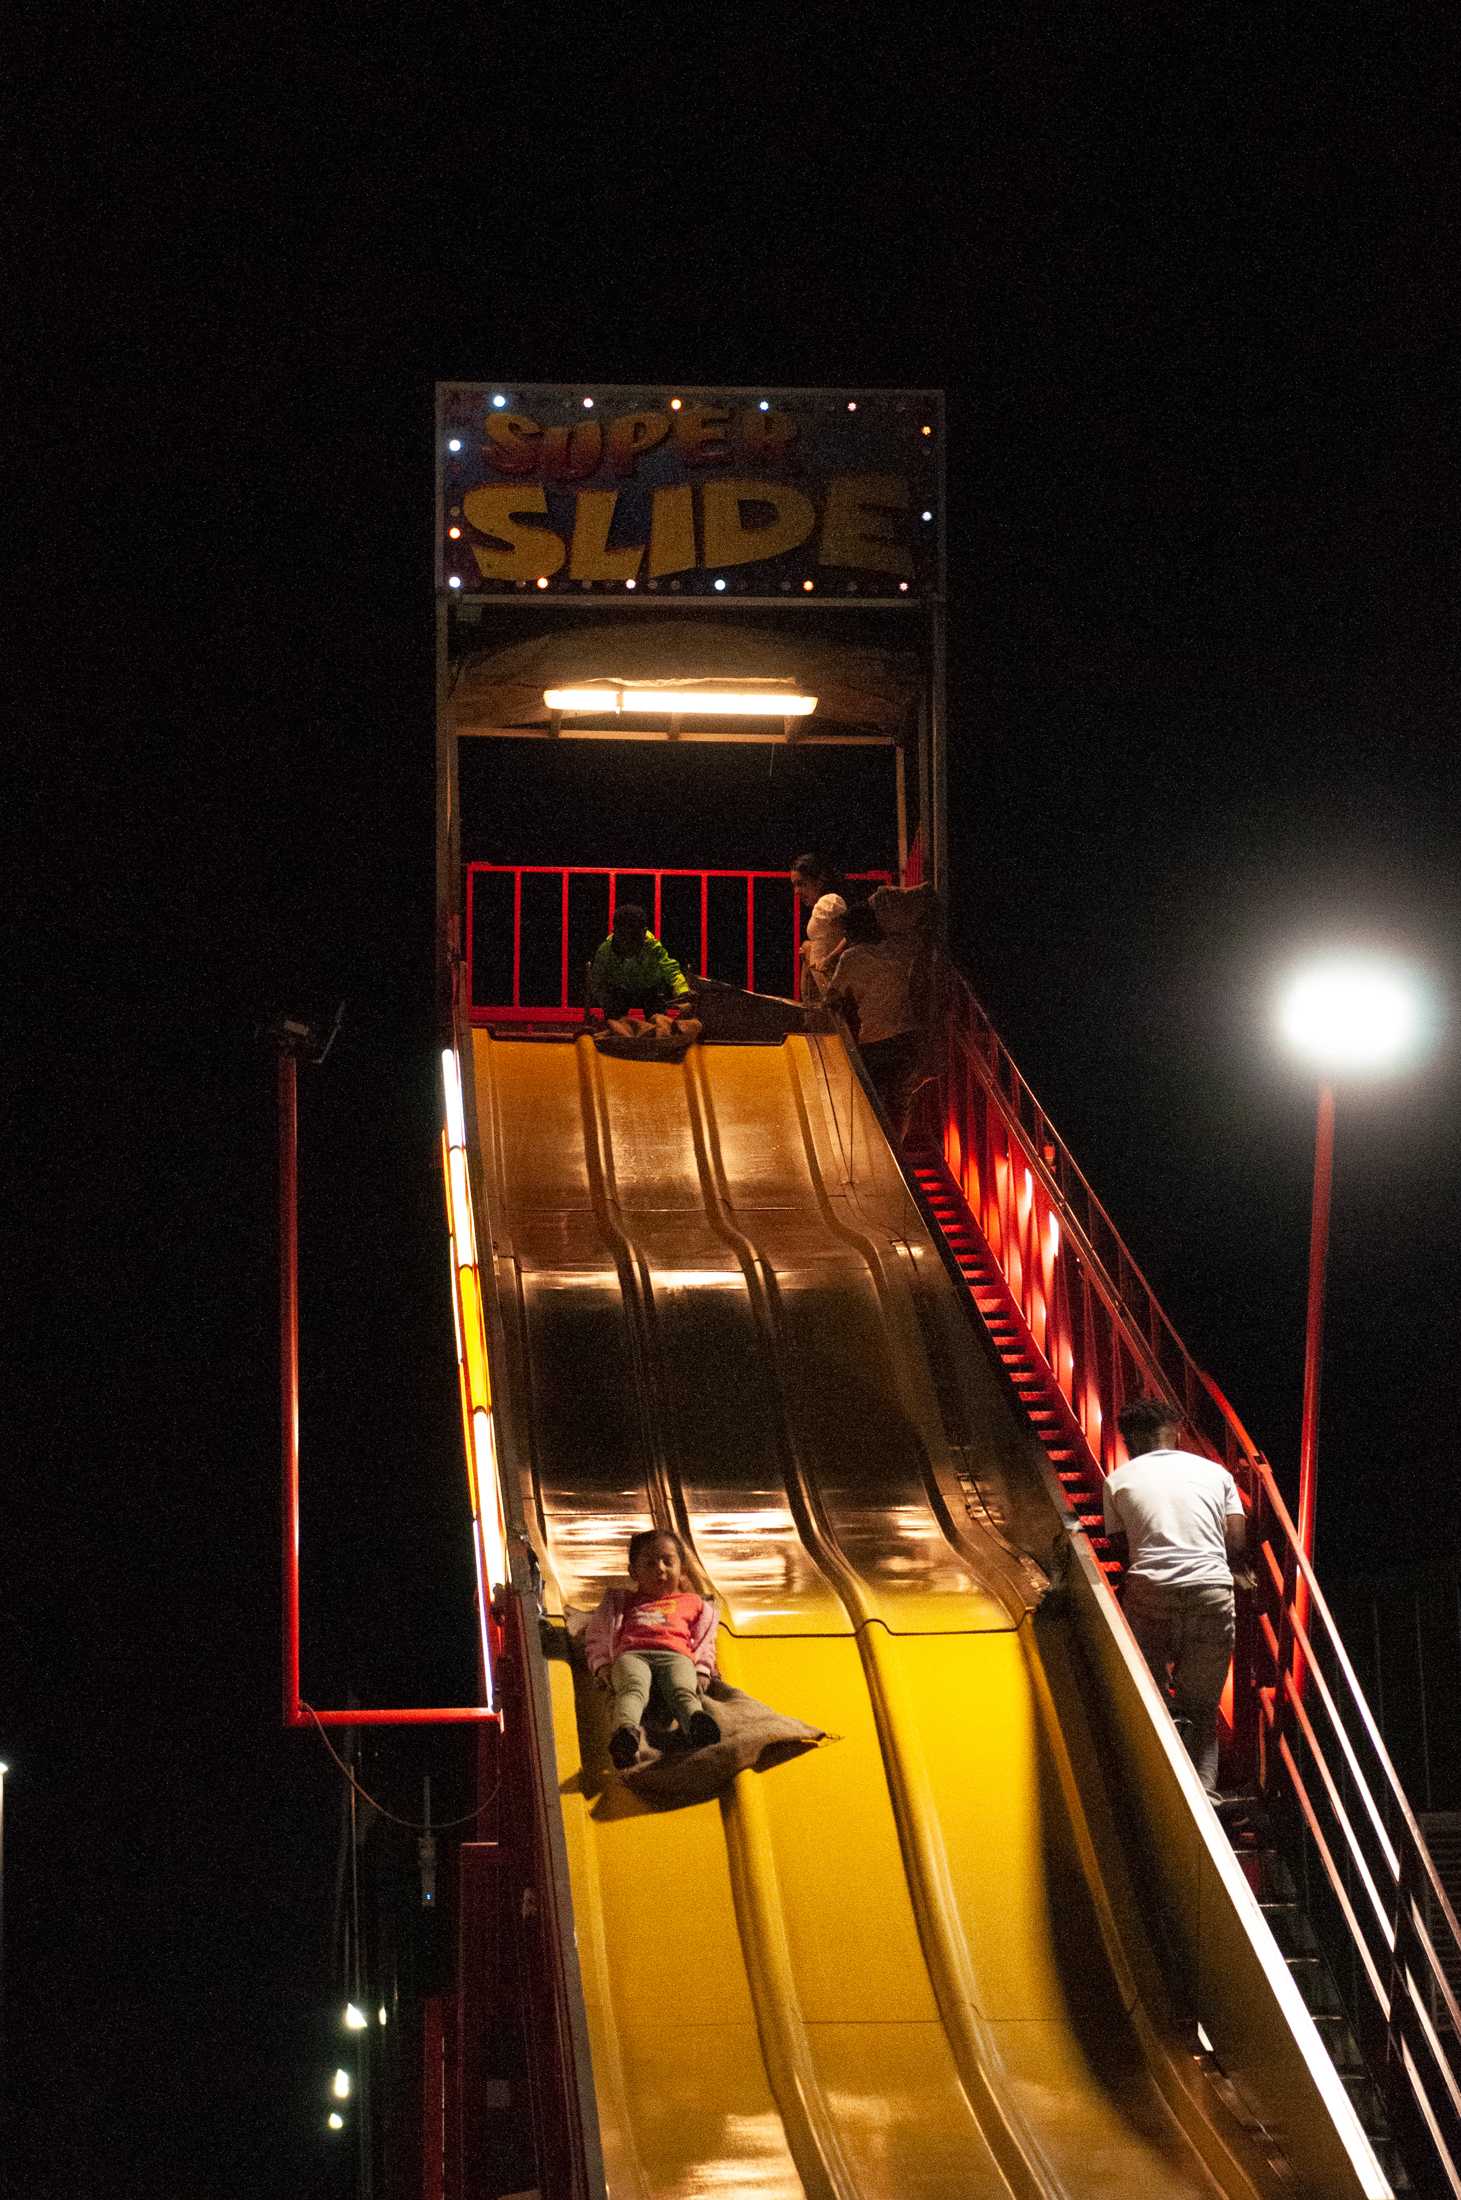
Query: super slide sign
x,y
783,494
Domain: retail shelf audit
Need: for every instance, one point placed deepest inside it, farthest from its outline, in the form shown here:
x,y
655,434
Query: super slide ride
x,y
990,1939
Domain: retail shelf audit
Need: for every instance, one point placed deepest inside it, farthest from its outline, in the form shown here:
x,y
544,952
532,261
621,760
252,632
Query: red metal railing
x,y
1301,1717
570,919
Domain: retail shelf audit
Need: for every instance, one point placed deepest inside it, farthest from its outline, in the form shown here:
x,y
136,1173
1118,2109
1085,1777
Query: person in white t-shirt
x,y
1181,1520
817,887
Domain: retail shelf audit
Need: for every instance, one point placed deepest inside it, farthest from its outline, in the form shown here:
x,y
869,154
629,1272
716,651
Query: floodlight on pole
x,y
355,2018
1351,1015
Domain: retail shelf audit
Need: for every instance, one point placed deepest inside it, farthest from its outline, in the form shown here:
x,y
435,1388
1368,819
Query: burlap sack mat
x,y
753,1737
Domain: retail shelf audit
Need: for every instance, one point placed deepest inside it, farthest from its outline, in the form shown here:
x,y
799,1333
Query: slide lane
x,y
1034,1997
892,1967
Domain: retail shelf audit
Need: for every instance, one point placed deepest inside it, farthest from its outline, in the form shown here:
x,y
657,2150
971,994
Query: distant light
x,y
927,515
335,2120
809,586
355,2019
542,580
454,580
455,443
720,584
674,404
498,400
454,534
588,404
695,702
381,2012
1352,1012
764,406
340,2085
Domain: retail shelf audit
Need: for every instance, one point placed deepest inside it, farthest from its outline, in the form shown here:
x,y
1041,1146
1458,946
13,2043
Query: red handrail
x,y
567,1009
1320,1760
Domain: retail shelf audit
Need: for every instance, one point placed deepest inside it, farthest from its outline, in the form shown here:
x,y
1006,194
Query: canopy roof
x,y
864,692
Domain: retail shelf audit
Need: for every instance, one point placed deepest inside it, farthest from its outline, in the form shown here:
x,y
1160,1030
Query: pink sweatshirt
x,y
601,1637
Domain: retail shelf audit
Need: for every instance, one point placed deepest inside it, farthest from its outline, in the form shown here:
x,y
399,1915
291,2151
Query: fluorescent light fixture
x,y
451,1081
686,702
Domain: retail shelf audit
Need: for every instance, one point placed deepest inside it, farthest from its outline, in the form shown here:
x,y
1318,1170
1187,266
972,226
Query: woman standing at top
x,y
818,887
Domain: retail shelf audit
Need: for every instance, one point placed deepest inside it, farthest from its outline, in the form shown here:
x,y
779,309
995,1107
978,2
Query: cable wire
x,y
412,1825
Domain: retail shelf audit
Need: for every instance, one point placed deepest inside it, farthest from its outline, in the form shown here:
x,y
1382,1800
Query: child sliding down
x,y
654,1643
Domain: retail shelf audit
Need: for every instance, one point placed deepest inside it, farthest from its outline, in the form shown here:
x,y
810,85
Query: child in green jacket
x,y
633,970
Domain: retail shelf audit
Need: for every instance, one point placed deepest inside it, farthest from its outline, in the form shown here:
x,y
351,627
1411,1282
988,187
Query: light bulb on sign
x,y
454,534
454,443
720,587
925,430
631,584
809,586
927,515
764,406
498,401
852,404
588,404
674,404
542,580
455,581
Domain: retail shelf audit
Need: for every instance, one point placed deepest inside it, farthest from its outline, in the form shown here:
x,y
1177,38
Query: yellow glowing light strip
x,y
489,1539
689,702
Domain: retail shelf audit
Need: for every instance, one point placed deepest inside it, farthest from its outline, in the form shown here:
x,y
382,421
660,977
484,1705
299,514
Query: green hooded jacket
x,y
651,970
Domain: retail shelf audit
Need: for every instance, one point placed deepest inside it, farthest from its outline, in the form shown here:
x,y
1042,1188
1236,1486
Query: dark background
x,y
1189,286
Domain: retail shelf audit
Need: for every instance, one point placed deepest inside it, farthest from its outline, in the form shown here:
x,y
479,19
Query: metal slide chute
x,y
936,1956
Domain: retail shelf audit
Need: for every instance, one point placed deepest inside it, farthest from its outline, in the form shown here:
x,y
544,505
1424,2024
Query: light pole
x,y
4,2080
1350,1015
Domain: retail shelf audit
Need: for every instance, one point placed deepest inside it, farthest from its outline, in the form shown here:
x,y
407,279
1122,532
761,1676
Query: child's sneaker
x,y
703,1730
623,1747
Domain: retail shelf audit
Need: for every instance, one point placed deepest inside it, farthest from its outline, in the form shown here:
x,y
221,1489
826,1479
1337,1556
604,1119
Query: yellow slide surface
x,y
911,1962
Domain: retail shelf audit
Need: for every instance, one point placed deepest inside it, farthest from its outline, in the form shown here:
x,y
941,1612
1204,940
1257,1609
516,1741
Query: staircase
x,y
1045,1404
1079,1475
1288,1920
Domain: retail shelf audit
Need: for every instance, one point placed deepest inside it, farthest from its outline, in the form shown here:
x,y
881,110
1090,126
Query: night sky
x,y
1192,297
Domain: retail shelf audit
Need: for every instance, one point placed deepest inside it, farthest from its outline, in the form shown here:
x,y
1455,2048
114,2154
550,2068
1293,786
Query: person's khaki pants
x,y
1186,1637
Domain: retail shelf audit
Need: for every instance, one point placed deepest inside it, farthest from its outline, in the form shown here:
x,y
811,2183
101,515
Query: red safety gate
x,y
533,927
